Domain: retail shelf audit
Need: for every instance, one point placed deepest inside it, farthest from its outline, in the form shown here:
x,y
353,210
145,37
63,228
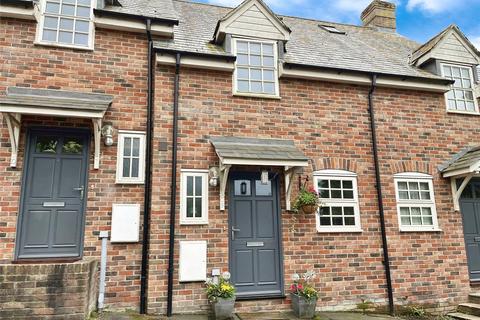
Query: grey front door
x,y
470,209
255,250
51,220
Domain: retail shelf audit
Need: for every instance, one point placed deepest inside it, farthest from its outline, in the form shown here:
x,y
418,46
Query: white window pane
x,y
65,37
470,106
427,221
405,221
447,71
425,195
426,211
268,61
81,39
136,147
242,73
68,9
348,211
126,167
255,60
198,207
466,84
424,186
452,104
268,75
69,1
465,73
458,83
49,35
242,86
269,88
255,74
268,49
255,48
461,105
242,46
84,2
450,94
413,185
460,94
414,195
190,186
135,167
66,24
402,186
456,72
82,26
416,221
83,12
198,186
468,95
403,195
404,211
127,146
256,86
52,7
242,59
51,22
189,207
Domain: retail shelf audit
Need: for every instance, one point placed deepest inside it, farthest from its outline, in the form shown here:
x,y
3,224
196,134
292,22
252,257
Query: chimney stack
x,y
380,15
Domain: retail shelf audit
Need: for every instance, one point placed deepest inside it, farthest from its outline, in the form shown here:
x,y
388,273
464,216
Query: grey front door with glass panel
x,y
255,251
51,220
470,208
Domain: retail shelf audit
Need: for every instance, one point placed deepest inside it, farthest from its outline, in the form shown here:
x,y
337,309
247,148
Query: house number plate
x,y
255,244
53,204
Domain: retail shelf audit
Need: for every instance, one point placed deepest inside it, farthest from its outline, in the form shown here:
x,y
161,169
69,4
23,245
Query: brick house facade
x,y
323,110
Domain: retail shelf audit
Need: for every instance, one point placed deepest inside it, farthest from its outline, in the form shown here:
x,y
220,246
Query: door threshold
x,y
45,260
261,297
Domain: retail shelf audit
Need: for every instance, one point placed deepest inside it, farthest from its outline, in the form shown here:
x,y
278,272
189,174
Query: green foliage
x,y
301,286
222,289
365,305
306,197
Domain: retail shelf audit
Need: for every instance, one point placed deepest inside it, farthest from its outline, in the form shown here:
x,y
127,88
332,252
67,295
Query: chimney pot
x,y
380,15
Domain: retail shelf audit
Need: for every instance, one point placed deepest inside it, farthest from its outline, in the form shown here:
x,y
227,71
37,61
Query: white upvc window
x,y
462,96
415,202
255,68
131,157
339,210
194,196
66,23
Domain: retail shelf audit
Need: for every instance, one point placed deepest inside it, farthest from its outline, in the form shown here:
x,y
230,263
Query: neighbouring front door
x,y
51,220
255,251
470,209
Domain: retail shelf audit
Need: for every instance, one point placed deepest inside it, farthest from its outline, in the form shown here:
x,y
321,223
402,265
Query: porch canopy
x,y
257,152
26,101
464,165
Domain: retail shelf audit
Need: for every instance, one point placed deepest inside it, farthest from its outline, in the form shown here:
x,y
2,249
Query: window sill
x,y
339,230
469,113
193,223
129,182
255,95
403,229
64,46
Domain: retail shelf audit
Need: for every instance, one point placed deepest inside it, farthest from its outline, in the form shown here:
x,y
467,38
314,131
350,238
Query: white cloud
x,y
436,6
475,41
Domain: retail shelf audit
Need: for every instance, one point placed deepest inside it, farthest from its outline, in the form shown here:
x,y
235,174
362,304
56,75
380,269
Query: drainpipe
x,y
378,183
148,173
173,191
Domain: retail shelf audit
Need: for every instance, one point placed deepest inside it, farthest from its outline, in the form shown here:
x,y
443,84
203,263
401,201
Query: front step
x,y
463,316
469,308
474,298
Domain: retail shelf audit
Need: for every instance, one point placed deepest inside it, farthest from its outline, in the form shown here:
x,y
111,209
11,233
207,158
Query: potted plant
x,y
221,295
307,200
304,296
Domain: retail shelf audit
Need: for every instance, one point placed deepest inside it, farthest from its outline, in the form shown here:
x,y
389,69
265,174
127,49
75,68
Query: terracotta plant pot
x,y
223,308
303,308
309,209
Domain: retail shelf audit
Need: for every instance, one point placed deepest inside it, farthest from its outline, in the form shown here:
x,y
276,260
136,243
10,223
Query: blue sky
x,y
417,19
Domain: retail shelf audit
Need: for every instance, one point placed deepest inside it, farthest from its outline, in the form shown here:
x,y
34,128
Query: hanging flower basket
x,y
307,201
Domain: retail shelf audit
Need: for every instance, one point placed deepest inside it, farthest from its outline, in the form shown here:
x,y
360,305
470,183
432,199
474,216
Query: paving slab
x,y
352,316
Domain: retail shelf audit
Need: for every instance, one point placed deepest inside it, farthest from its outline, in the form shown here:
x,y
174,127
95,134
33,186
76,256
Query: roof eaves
x,y
134,16
18,3
227,57
444,166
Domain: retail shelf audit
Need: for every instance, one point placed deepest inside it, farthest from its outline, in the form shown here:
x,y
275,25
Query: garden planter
x,y
303,309
309,209
223,308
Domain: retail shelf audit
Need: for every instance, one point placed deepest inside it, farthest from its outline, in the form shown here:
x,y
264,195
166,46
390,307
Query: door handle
x,y
82,191
233,232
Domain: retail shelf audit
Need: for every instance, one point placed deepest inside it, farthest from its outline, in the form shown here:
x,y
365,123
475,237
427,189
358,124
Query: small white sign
x,y
193,261
125,223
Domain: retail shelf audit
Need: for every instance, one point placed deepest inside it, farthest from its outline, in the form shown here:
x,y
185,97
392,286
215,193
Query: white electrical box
x,y
125,223
193,261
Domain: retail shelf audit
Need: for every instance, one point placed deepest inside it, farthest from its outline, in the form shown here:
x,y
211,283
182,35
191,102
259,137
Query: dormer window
x,y
461,98
66,23
255,68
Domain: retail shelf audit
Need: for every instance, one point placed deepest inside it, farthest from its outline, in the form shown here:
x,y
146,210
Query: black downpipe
x,y
148,174
378,183
173,191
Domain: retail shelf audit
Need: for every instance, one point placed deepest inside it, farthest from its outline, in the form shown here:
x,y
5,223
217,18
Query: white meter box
x,y
125,223
193,261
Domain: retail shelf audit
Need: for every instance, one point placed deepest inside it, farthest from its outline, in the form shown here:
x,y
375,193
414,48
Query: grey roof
x,y
256,149
160,9
361,49
59,99
462,160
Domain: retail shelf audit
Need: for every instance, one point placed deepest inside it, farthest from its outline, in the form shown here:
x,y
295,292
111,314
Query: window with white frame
x,y
66,23
194,196
339,210
131,157
461,97
415,202
255,71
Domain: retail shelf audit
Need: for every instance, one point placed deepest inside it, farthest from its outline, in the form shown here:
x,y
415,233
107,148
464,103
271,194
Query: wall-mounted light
x,y
107,134
213,176
264,177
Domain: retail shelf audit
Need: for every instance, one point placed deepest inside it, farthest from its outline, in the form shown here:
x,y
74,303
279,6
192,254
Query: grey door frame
x,y
276,185
30,132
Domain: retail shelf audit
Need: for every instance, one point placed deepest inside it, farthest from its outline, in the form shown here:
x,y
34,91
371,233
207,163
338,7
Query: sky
x,y
419,20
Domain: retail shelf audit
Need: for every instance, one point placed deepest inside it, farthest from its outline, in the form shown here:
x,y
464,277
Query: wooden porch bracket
x,y
458,192
13,124
289,172
223,175
97,135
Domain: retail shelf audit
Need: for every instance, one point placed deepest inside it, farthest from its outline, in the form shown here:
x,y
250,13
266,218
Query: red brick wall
x,y
330,123
118,66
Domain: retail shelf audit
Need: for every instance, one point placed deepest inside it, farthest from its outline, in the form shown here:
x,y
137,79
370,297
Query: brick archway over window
x,y
413,166
335,163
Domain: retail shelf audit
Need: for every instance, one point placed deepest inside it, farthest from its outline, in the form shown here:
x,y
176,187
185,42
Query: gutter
x,y
123,15
148,172
378,184
197,54
173,191
18,3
